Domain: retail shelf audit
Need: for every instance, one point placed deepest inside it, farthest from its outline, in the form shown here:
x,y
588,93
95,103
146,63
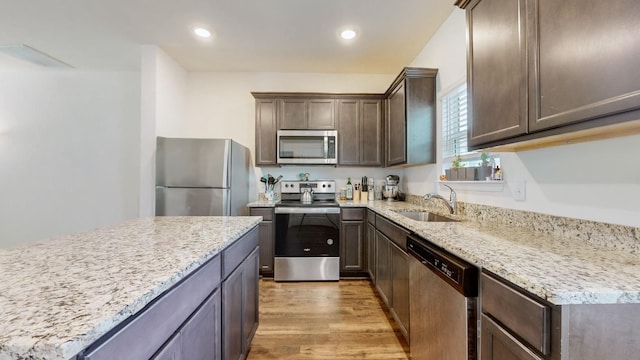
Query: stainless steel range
x,y
307,232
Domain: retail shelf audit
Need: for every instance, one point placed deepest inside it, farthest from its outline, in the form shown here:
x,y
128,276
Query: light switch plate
x,y
517,189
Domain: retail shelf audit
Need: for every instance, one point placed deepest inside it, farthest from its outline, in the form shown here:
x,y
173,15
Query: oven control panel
x,y
317,186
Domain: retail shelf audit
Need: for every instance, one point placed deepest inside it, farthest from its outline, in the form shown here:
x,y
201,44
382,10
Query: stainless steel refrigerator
x,y
201,177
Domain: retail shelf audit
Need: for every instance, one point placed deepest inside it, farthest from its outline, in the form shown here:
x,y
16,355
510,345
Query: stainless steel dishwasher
x,y
443,303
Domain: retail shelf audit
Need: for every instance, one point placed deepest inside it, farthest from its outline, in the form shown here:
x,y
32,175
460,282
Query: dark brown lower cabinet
x,y
400,286
240,308
383,268
370,244
498,344
392,270
519,325
200,336
352,250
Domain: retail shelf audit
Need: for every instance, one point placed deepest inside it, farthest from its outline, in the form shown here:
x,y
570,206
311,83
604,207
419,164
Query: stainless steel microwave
x,y
318,147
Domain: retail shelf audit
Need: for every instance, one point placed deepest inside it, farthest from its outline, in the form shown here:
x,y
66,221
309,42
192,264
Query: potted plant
x,y
457,172
484,170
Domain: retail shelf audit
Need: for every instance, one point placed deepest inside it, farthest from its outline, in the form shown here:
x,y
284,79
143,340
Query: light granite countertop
x,y
59,295
560,269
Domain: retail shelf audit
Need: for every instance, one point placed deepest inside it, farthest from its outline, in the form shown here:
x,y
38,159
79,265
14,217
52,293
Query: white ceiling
x,y
250,35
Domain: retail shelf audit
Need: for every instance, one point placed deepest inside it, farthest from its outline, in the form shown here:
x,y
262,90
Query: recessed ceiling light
x,y
202,32
348,32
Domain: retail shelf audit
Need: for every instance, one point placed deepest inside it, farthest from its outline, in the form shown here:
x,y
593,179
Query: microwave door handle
x,y
326,147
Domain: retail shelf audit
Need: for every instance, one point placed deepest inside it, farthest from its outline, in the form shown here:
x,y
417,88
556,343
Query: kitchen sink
x,y
424,216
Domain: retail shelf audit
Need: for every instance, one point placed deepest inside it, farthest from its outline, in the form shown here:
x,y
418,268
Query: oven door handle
x,y
307,210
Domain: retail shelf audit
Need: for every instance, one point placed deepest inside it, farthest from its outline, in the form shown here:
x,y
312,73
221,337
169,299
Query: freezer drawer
x,y
192,202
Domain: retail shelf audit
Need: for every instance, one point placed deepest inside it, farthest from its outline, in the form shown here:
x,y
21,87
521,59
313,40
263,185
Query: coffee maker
x,y
391,190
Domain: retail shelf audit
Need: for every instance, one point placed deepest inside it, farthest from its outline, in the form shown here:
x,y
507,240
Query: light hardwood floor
x,y
325,320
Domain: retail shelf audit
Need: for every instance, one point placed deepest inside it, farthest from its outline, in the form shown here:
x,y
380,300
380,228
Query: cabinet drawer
x,y
371,217
238,251
397,234
266,213
353,214
524,316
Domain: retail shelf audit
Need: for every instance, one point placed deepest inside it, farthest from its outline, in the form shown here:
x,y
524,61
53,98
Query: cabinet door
x,y
400,279
348,132
396,126
371,140
322,114
293,114
371,251
232,307
202,333
351,245
266,131
583,60
171,350
250,299
497,70
383,268
498,344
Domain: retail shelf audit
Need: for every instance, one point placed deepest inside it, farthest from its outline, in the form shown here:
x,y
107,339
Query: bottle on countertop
x,y
498,173
349,189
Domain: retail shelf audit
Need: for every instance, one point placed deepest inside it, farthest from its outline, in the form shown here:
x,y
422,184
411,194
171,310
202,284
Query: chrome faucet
x,y
451,203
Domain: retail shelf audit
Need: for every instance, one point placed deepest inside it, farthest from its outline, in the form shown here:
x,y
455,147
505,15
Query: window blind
x,y
454,122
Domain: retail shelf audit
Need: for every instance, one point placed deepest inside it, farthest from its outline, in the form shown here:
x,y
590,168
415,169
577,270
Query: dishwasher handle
x,y
459,274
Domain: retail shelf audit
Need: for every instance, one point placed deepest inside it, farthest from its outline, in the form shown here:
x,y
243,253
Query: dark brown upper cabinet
x,y
411,118
497,81
300,113
266,131
538,68
360,131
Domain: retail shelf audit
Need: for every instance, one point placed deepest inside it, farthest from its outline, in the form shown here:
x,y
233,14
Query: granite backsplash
x,y
610,236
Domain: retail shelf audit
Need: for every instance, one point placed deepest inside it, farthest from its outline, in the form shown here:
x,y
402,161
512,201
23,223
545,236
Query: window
x,y
454,122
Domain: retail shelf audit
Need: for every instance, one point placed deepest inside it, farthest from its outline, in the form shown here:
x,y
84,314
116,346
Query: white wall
x,y
446,51
595,181
163,113
68,151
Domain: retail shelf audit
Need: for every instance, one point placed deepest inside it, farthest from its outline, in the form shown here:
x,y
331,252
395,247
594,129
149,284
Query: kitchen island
x,y
60,295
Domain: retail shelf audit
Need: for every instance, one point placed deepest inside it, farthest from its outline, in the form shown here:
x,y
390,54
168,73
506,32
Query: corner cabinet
x,y
360,132
535,70
411,118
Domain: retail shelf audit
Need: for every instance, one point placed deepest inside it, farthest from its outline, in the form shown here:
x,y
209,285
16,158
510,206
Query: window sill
x,y
489,186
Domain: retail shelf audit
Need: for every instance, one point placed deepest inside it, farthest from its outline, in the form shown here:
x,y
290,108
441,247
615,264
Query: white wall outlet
x,y
517,189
